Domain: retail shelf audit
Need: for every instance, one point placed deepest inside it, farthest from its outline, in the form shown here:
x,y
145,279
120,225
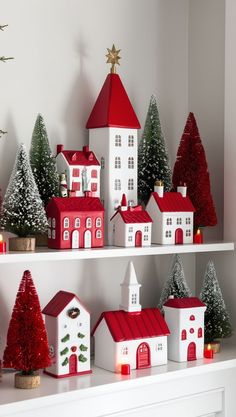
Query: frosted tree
x,y
175,284
42,162
153,161
4,59
217,320
22,210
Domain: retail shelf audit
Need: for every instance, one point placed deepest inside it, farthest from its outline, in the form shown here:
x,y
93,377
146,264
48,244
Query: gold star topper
x,y
113,58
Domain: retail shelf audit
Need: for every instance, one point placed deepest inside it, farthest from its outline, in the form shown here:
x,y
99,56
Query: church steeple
x,y
130,291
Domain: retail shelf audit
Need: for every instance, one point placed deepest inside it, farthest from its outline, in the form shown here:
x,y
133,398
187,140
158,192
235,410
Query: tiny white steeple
x,y
130,291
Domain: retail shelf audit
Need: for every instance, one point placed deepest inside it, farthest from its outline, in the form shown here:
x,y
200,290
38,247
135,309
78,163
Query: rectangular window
x,y
49,233
131,229
130,238
54,234
168,233
75,186
117,140
94,173
188,220
145,238
75,172
179,220
117,185
146,229
159,346
169,221
130,140
130,162
130,184
94,186
188,233
117,162
134,299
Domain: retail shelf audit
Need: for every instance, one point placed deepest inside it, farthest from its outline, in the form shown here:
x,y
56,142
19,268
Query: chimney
x,y
60,148
182,189
123,206
159,188
85,149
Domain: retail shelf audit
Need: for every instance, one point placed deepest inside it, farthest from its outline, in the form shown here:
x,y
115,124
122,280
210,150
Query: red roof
x,y
173,201
113,107
149,322
58,303
80,158
76,203
186,302
134,215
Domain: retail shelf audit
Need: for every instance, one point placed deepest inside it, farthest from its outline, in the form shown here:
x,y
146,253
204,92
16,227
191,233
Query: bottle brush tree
x,y
217,320
153,161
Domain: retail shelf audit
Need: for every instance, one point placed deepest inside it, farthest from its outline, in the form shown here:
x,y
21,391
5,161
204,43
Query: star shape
x,y
113,57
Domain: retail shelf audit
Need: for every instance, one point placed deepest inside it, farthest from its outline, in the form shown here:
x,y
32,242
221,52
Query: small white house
x,y
131,335
172,215
68,327
132,226
82,171
185,319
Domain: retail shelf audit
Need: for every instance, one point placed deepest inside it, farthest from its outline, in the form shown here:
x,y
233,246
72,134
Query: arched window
x,y
199,333
49,221
183,335
192,317
66,235
98,234
54,234
131,162
117,184
53,222
77,222
117,162
66,223
49,233
88,222
98,222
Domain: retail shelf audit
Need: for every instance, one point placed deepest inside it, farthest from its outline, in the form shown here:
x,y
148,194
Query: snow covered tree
x,y
22,210
27,347
191,168
175,284
153,162
217,320
42,162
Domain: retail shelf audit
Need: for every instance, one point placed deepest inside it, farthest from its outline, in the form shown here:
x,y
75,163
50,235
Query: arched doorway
x,y
143,356
87,239
179,236
75,239
138,238
73,364
191,352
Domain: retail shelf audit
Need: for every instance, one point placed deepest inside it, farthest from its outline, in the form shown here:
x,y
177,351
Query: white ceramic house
x,y
131,335
68,327
132,226
185,319
172,215
113,128
82,171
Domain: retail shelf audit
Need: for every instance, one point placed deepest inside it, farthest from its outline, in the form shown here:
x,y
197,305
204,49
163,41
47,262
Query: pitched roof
x,y
76,203
80,158
57,304
173,202
186,302
113,107
129,326
134,215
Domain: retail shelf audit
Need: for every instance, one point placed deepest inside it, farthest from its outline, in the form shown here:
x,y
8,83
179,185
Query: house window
x,y
146,229
131,162
49,233
66,223
179,220
188,220
53,222
191,330
94,186
199,333
168,233
54,234
117,140
130,238
117,162
88,222
94,173
183,335
159,346
134,299
75,185
145,238
169,221
102,162
75,172
49,222
98,234
124,350
66,235
130,184
98,222
188,233
192,317
130,140
77,222
131,229
117,184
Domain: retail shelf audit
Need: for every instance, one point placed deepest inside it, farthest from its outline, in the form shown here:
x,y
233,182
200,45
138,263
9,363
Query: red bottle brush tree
x,y
191,168
27,347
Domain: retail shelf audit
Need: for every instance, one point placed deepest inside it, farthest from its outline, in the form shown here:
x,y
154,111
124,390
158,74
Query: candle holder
x,y
3,246
208,352
198,237
125,369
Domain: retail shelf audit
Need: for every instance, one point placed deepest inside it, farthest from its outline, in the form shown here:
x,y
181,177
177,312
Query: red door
x,y
73,364
143,356
179,236
192,351
138,238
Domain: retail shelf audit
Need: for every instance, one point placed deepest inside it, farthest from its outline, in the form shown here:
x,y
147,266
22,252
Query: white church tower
x,y
130,291
113,128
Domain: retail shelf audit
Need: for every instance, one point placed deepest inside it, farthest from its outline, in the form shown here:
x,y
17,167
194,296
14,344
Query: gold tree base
x,y
22,243
27,381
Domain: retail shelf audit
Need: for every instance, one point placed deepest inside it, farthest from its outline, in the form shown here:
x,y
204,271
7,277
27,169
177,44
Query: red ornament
x,y
73,348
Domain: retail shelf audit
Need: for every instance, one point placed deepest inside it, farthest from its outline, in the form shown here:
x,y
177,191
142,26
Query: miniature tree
x,y
27,347
42,162
191,168
3,59
176,284
217,320
22,210
153,163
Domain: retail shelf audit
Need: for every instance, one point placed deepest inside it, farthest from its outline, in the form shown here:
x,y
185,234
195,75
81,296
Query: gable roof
x,y
134,215
186,302
173,202
149,322
113,107
76,203
80,158
57,304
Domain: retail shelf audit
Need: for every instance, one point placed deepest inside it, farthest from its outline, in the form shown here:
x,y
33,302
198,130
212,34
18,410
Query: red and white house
x,y
82,170
185,319
68,328
75,222
132,335
172,215
132,226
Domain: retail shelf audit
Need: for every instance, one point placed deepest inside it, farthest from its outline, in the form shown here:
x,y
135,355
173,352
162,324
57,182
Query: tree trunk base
x,y
22,243
27,381
216,347
41,240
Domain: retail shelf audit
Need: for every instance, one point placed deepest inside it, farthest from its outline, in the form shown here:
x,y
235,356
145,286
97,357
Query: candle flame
x,y
198,231
1,238
209,346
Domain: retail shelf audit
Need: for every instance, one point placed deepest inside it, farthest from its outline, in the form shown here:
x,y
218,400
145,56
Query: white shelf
x,y
46,254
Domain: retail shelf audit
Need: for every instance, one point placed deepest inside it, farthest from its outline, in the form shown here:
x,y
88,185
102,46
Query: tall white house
x,y
113,128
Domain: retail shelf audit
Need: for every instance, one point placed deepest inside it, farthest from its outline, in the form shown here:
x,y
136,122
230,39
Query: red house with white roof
x,y
132,226
67,322
82,170
185,319
131,335
172,215
75,222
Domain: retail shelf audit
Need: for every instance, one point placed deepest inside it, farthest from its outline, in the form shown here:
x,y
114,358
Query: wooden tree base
x,y
214,345
22,243
41,240
27,381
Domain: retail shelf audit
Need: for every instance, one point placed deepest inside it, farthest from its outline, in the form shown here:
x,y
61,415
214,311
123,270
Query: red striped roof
x,y
149,322
113,107
59,302
173,201
134,215
76,203
186,302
